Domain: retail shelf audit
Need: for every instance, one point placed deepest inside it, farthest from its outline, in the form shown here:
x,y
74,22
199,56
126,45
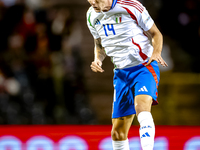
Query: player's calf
x,y
147,130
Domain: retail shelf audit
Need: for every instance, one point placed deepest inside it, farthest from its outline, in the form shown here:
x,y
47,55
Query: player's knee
x,y
140,108
118,136
143,103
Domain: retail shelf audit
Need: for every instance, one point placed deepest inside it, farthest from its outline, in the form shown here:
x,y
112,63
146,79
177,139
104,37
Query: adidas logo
x,y
145,135
97,22
143,89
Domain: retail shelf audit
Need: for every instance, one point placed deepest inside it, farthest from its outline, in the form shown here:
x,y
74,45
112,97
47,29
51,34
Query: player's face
x,y
101,5
95,5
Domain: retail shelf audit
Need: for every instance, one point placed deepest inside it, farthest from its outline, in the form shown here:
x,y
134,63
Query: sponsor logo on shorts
x,y
143,89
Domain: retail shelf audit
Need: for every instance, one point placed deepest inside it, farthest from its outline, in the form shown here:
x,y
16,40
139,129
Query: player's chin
x,y
96,9
106,8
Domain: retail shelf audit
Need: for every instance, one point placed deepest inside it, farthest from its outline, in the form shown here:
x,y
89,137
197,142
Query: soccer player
x,y
124,31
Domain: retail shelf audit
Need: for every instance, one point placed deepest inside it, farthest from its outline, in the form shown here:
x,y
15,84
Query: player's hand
x,y
158,58
96,66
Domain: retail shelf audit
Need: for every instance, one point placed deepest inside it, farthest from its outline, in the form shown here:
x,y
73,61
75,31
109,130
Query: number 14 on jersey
x,y
109,28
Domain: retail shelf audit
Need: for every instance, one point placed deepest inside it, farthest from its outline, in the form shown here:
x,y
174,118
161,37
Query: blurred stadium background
x,y
46,50
45,54
45,79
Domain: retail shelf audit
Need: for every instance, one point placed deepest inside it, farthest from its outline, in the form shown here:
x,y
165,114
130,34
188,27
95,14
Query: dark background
x,y
46,50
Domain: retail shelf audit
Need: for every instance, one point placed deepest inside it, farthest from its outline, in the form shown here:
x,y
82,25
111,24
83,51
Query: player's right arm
x,y
99,56
99,53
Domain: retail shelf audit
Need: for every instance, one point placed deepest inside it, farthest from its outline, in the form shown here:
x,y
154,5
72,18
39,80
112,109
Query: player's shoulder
x,y
89,11
129,1
91,16
132,4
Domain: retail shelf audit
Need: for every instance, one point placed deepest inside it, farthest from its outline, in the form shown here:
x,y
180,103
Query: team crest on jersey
x,y
118,18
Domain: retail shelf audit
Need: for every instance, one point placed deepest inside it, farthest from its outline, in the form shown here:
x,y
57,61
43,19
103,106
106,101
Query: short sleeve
x,y
90,26
139,12
145,20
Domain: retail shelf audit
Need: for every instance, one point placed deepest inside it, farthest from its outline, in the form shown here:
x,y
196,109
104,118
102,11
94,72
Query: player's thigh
x,y
143,103
121,126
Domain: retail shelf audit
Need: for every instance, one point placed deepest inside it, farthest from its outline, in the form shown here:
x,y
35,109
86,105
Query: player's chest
x,y
113,25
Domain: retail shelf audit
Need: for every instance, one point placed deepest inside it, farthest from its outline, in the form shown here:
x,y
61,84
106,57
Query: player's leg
x,y
145,95
119,133
143,105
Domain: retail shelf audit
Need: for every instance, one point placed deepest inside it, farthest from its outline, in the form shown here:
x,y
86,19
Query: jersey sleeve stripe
x,y
134,4
140,7
131,14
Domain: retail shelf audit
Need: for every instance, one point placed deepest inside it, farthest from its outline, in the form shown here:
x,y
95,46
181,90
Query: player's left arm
x,y
157,42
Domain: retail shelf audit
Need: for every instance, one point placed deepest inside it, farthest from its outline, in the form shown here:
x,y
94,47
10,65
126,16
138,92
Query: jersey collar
x,y
113,4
